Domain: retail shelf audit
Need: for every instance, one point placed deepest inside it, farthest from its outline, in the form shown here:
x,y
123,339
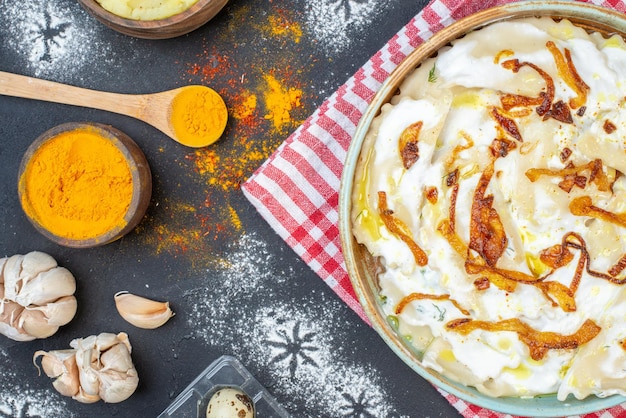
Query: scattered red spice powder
x,y
266,101
263,103
282,24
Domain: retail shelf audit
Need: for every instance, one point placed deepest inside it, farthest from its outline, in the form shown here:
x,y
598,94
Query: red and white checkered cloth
x,y
297,189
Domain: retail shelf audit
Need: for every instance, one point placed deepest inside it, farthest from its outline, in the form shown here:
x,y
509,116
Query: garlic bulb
x,y
36,296
98,367
142,312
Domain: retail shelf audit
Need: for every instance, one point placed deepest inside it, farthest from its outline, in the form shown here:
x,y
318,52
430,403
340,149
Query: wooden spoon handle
x,y
34,88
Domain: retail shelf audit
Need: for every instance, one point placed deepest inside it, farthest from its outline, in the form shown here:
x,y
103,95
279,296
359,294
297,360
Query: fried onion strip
x,y
556,256
446,228
583,206
544,101
558,294
408,144
538,342
596,173
583,263
504,279
487,234
421,296
453,181
569,74
399,229
506,123
618,267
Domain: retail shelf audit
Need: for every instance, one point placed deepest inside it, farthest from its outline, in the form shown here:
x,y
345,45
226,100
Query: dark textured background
x,y
236,289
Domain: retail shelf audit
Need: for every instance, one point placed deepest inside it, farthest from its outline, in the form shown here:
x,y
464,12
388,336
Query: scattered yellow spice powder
x,y
281,26
279,102
234,218
247,107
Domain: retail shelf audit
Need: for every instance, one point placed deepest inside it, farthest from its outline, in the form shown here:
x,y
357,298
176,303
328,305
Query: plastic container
x,y
226,371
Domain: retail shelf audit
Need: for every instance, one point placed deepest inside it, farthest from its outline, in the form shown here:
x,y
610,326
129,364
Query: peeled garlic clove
x,y
142,312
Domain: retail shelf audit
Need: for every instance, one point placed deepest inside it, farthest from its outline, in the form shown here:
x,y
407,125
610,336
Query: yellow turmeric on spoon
x,y
198,116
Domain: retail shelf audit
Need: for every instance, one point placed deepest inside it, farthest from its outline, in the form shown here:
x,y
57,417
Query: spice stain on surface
x,y
175,241
229,171
177,236
280,25
246,106
280,100
234,216
193,231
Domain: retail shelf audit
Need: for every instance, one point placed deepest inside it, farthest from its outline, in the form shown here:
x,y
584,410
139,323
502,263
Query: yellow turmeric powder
x,y
77,185
198,116
280,101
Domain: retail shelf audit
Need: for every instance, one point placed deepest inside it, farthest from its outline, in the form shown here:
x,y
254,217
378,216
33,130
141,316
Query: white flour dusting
x,y
306,351
51,39
245,268
303,352
19,400
335,24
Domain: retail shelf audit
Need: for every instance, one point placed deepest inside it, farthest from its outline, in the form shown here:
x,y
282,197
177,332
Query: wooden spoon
x,y
154,108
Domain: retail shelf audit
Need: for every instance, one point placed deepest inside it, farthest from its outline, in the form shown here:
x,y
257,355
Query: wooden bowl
x,y
141,179
170,27
363,268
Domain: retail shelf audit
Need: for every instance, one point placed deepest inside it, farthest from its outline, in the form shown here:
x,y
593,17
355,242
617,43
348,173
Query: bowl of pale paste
x,y
150,20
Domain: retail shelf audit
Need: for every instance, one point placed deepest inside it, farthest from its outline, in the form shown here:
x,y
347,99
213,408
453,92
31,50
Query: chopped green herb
x,y
432,77
442,313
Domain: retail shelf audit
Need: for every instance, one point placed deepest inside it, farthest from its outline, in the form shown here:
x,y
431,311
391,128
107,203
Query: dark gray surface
x,y
238,291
